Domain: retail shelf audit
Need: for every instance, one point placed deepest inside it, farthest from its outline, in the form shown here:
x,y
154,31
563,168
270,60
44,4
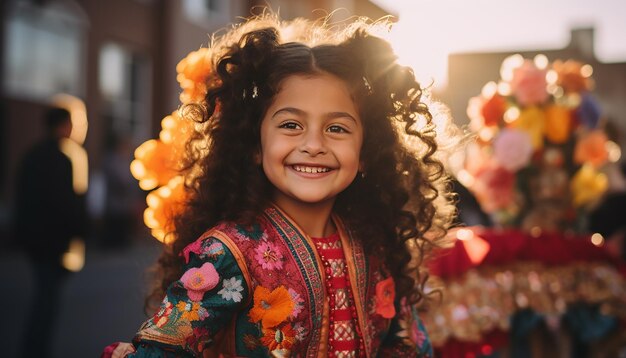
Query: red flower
x,y
493,110
385,296
494,187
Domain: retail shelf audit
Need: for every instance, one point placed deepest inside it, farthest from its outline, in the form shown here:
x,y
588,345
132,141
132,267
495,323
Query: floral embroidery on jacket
x,y
271,308
231,289
163,316
199,280
298,303
192,311
385,296
269,256
279,338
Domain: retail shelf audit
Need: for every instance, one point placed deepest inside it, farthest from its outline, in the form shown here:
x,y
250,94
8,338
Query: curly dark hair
x,y
400,210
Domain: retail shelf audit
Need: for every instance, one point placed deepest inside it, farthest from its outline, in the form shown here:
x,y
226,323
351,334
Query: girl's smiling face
x,y
311,137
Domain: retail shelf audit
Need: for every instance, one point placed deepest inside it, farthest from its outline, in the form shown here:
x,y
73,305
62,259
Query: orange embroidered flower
x,y
278,338
385,296
271,308
189,310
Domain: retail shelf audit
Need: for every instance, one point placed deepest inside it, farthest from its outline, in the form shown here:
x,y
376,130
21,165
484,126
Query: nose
x,y
313,143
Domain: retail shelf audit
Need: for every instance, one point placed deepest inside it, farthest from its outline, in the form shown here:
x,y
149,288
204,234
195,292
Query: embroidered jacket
x,y
259,291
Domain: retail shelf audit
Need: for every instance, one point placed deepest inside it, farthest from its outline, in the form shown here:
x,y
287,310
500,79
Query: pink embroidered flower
x,y
194,247
298,303
269,256
385,296
199,280
512,149
529,84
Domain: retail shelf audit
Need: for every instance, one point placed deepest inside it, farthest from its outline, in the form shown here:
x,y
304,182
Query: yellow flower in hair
x,y
587,185
193,72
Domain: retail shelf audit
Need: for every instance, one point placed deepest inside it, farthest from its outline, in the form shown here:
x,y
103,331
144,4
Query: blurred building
x,y
119,57
468,73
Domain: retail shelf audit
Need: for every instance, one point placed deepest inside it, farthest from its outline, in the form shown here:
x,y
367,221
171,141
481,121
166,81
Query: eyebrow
x,y
299,112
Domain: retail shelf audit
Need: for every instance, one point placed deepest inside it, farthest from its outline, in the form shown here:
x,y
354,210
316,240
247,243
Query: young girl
x,y
313,198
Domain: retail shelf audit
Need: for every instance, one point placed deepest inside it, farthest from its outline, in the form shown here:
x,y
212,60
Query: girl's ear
x,y
258,158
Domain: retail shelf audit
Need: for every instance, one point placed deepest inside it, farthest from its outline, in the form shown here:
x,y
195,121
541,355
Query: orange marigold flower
x,y
570,76
154,164
278,338
163,204
385,296
591,149
271,308
193,72
175,131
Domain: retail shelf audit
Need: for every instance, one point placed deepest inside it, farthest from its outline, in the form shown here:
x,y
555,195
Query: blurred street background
x,y
113,64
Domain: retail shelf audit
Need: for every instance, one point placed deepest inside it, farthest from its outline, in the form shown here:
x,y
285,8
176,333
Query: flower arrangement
x,y
540,149
158,161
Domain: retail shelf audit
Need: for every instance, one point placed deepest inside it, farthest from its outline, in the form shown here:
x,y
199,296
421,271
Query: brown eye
x,y
290,125
337,129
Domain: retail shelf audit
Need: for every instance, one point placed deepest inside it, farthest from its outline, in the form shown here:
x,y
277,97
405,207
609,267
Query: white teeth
x,y
313,170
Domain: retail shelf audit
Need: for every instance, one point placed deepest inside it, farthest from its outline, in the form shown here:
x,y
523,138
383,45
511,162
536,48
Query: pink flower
x,y
385,296
199,280
494,187
298,302
529,84
269,256
512,149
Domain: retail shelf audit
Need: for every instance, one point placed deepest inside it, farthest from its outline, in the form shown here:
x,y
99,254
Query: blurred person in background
x,y
49,214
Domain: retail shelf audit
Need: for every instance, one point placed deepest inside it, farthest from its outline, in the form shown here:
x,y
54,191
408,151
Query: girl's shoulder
x,y
225,233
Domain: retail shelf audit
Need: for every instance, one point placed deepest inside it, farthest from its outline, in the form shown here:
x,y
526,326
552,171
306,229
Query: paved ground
x,y
101,304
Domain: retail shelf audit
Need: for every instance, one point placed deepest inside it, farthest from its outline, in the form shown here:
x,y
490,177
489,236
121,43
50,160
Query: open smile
x,y
306,169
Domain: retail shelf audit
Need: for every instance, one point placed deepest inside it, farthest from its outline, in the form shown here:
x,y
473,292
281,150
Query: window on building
x,y
125,83
202,12
44,50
